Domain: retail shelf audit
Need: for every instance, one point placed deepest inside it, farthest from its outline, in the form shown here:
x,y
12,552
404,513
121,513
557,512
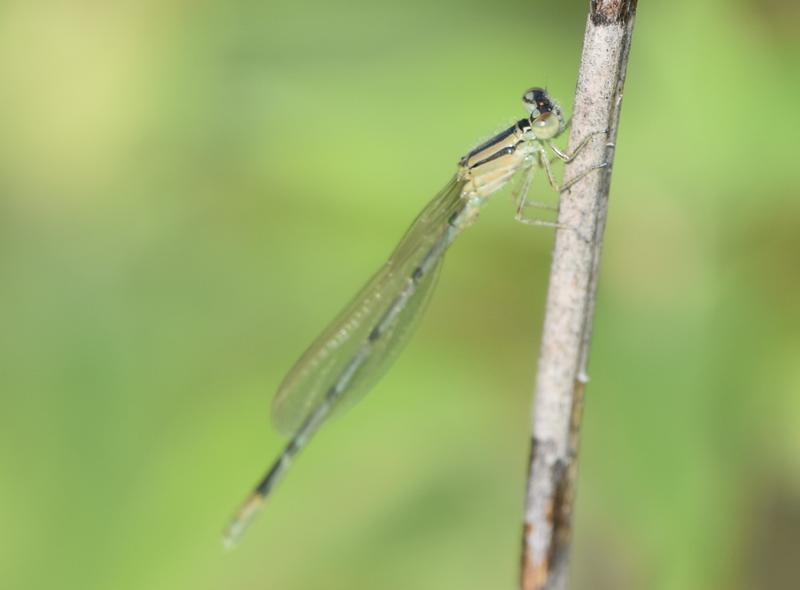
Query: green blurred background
x,y
189,191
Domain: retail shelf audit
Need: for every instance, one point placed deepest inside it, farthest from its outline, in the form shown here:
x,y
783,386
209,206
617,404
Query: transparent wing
x,y
317,370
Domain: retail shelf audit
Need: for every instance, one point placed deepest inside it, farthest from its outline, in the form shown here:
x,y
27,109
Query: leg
x,y
523,203
567,185
554,225
520,193
569,157
542,223
527,203
561,188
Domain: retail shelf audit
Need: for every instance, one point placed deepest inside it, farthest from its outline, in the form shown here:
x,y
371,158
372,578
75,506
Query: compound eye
x,y
531,100
546,126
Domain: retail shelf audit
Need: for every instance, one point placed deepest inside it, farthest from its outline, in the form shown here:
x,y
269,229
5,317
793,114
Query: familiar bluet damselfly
x,y
346,360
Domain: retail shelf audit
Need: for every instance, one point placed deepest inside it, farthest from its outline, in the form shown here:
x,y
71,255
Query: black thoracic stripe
x,y
497,138
520,126
498,154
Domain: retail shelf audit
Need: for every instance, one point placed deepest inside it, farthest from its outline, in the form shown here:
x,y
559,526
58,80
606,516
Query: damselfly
x,y
344,362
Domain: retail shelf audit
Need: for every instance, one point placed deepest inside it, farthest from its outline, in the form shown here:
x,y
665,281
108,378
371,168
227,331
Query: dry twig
x,y
561,376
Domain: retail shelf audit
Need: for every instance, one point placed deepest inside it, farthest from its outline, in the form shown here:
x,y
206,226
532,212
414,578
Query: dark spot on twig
x,y
533,575
560,515
536,575
534,449
608,12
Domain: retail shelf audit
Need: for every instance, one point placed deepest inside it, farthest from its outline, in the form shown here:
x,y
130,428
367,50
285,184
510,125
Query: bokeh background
x,y
189,191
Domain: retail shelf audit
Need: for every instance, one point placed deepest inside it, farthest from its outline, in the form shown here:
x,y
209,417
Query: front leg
x,y
560,188
564,157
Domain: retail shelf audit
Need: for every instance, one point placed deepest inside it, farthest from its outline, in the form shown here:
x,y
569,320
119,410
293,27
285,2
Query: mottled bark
x,y
562,373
